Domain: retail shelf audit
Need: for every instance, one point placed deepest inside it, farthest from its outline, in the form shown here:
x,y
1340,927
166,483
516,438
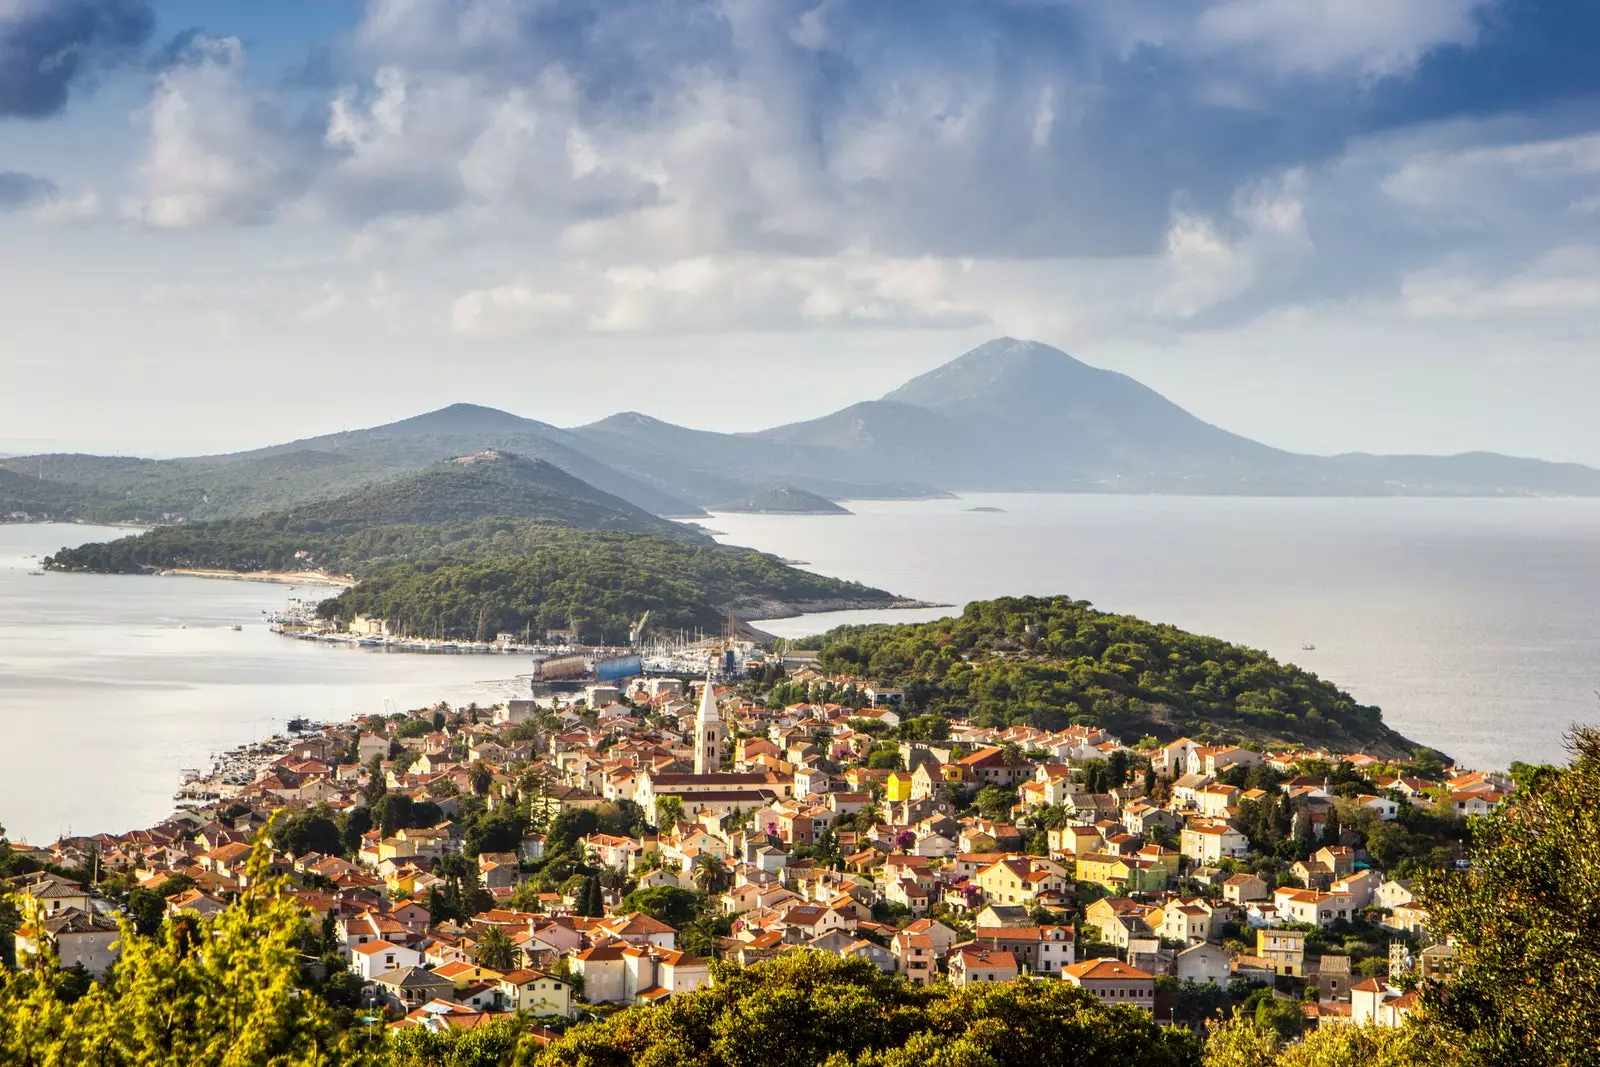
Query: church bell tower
x,y
709,732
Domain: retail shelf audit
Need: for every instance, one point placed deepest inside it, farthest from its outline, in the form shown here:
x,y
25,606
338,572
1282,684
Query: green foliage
x,y
1524,916
1052,661
169,1004
313,830
805,1009
668,903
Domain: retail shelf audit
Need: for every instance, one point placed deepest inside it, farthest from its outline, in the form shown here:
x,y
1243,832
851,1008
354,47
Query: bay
x,y
110,685
1474,624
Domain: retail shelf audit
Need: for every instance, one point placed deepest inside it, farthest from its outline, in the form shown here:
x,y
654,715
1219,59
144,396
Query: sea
x,y
1474,625
112,685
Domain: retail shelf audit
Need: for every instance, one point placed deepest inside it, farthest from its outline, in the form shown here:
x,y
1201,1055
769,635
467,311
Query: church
x,y
709,787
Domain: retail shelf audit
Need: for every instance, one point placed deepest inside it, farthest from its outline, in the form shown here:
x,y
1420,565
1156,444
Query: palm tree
x,y
495,950
711,875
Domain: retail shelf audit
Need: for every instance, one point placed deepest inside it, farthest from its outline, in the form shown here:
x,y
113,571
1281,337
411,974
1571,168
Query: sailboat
x,y
1308,647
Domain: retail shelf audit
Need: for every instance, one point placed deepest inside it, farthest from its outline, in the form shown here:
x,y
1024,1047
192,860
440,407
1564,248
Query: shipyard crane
x,y
637,632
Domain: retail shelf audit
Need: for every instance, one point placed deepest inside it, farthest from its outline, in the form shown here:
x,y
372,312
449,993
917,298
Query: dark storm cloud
x,y
48,45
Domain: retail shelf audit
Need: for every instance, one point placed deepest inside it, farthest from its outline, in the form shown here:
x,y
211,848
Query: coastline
x,y
282,577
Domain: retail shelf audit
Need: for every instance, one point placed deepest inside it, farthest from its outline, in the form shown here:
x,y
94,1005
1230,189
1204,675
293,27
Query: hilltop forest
x,y
1053,661
486,544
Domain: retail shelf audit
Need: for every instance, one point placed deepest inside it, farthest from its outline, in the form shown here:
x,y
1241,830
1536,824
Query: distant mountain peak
x,y
465,418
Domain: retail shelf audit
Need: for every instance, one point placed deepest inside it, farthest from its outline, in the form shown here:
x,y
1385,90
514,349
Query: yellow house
x,y
396,848
897,787
1016,880
1119,873
536,993
402,882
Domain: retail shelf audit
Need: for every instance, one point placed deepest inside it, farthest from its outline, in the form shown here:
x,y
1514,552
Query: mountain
x,y
488,483
462,506
707,467
783,500
1010,415
25,497
326,467
1020,415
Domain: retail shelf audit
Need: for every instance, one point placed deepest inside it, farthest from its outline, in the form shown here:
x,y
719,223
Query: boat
x,y
236,628
1308,647
36,574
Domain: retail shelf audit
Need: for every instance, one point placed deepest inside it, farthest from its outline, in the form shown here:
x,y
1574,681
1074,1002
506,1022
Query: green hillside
x,y
435,513
24,497
488,542
1054,661
544,576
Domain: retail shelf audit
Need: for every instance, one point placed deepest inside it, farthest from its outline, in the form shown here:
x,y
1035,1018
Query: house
x,y
1118,873
379,957
79,938
1333,978
407,988
1243,888
53,894
1212,842
1204,963
1045,950
1393,894
1376,1003
1020,880
1113,982
1118,919
536,993
915,957
1284,949
972,966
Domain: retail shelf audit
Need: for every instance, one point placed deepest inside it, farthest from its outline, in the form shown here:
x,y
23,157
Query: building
x,y
710,733
1046,950
1114,982
536,993
973,966
79,937
1285,949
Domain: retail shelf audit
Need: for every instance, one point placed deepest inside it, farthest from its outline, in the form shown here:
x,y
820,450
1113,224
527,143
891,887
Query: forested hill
x,y
1052,661
438,512
483,484
490,543
599,583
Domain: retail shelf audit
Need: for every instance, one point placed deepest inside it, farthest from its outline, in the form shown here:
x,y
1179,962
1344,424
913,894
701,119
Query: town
x,y
569,854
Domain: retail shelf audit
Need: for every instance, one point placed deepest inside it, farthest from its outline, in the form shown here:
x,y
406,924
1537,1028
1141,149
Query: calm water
x,y
1474,624
110,685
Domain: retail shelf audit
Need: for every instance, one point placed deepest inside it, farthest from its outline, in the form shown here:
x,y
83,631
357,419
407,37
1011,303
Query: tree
x,y
806,1009
495,950
711,875
357,821
393,812
146,910
669,812
995,803
481,778
591,898
237,1002
668,903
377,783
1523,916
313,830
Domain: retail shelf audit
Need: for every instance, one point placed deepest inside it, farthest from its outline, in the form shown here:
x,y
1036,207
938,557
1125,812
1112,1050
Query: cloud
x,y
23,190
218,150
46,46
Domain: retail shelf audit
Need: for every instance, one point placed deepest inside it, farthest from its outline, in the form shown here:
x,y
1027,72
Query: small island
x,y
784,500
986,510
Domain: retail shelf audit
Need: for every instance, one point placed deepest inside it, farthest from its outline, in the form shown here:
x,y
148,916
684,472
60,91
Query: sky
x,y
1331,225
